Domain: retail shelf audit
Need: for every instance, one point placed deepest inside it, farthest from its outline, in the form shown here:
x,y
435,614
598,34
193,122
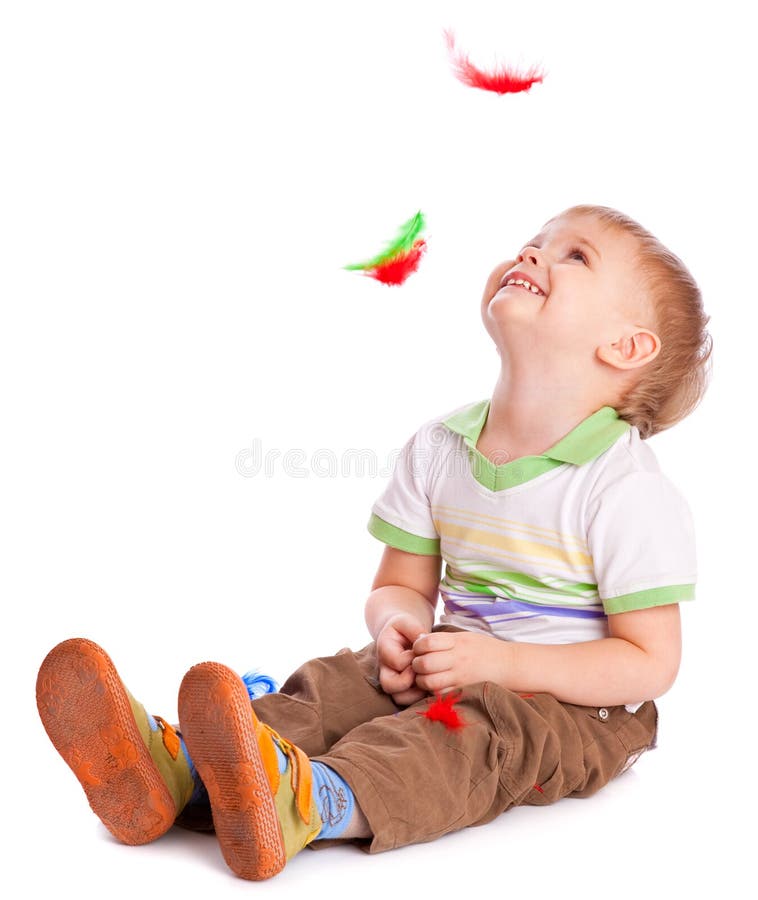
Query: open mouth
x,y
525,285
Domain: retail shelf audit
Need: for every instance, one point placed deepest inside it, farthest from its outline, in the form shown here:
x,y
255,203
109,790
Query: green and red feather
x,y
400,258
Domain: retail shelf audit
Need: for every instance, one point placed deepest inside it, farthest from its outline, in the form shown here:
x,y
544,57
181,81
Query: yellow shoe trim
x,y
301,776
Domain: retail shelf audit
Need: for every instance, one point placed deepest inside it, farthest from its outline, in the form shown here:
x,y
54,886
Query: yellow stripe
x,y
527,567
535,530
466,534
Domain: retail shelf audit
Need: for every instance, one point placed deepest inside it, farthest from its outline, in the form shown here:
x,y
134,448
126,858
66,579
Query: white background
x,y
181,186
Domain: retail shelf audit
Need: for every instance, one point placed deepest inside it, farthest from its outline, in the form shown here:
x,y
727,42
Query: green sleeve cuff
x,y
653,597
402,540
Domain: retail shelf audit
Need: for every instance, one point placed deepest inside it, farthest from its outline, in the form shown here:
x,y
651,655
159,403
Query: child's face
x,y
587,279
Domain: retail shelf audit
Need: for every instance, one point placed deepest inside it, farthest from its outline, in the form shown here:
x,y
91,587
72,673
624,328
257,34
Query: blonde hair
x,y
674,383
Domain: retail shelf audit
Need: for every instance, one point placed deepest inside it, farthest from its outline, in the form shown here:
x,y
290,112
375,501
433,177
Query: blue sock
x,y
335,801
334,797
282,757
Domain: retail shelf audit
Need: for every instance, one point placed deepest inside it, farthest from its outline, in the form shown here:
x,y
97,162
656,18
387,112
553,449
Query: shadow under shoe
x,y
131,766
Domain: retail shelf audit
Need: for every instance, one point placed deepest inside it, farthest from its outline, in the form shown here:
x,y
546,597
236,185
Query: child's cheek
x,y
493,282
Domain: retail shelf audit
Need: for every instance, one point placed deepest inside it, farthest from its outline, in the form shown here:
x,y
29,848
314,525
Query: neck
x,y
526,417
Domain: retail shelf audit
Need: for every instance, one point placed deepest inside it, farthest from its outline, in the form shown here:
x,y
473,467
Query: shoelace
x,y
301,777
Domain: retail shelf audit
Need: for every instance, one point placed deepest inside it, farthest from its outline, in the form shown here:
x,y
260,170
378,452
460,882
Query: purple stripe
x,y
503,607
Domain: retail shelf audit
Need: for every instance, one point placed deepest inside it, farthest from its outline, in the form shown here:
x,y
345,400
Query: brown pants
x,y
416,780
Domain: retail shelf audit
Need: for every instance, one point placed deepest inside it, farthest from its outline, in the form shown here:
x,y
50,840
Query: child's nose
x,y
531,255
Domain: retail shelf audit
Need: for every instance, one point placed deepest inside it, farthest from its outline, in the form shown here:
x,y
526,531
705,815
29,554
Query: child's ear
x,y
636,348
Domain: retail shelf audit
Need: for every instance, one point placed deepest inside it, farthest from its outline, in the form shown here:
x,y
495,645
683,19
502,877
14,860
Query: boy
x,y
567,553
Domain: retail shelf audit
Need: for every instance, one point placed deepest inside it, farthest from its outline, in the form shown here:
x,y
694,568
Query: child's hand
x,y
446,660
394,650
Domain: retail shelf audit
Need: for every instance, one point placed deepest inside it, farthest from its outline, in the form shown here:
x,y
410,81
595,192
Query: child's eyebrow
x,y
535,242
592,247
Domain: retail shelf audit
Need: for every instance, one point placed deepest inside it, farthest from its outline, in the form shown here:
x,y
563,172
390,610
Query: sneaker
x,y
262,817
131,765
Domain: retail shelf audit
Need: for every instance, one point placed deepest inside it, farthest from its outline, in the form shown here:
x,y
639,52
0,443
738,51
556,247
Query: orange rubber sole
x,y
87,715
218,726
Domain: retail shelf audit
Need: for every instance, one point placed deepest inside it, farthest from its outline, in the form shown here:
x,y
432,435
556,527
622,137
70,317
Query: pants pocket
x,y
614,740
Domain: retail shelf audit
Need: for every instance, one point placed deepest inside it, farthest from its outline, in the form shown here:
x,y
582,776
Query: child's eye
x,y
573,254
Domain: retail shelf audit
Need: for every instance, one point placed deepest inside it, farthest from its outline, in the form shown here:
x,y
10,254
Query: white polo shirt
x,y
543,548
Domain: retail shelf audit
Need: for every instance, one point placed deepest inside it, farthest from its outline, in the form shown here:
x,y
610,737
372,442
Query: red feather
x,y
503,80
441,710
397,269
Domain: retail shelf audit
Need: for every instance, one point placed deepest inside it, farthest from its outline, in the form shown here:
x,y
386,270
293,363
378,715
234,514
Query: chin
x,y
503,313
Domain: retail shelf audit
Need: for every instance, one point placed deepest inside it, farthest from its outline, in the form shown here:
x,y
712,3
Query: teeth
x,y
522,282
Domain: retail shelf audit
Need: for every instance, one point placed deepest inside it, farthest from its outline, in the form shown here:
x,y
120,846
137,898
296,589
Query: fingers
x,y
439,683
394,656
413,663
393,649
409,627
406,698
432,663
395,641
394,682
434,672
431,643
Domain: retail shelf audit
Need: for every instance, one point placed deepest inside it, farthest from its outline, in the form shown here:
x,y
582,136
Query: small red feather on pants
x,y
502,81
441,710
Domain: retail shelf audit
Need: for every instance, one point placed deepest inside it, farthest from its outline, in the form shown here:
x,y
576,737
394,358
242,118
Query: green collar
x,y
591,437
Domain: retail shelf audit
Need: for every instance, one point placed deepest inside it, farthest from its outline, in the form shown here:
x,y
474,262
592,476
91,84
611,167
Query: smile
x,y
527,285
